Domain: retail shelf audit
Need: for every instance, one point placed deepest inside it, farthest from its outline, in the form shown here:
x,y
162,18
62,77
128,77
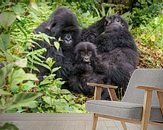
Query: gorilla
x,y
87,68
93,31
63,24
118,50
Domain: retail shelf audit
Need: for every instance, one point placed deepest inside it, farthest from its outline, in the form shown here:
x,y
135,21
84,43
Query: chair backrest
x,y
143,77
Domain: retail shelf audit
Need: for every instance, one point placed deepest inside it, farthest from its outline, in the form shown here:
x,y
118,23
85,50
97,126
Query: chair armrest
x,y
102,85
98,90
149,88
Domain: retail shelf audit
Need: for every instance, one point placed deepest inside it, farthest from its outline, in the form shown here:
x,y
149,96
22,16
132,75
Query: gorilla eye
x,y
89,53
122,24
108,22
82,53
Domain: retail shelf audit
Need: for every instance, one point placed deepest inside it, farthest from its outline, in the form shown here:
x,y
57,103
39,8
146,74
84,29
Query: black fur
x,y
93,31
118,50
93,71
63,24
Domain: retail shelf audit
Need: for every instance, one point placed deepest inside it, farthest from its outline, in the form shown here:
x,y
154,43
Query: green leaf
x,y
48,100
23,100
9,57
55,69
28,85
18,9
4,73
57,45
50,62
4,41
2,103
32,104
65,91
21,63
6,19
46,38
8,126
33,5
31,77
61,105
69,98
15,88
2,92
17,77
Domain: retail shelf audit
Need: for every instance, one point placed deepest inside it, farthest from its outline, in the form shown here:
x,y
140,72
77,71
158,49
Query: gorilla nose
x,y
68,37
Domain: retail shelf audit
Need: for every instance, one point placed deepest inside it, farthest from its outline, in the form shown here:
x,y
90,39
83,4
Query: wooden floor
x,y
27,121
57,122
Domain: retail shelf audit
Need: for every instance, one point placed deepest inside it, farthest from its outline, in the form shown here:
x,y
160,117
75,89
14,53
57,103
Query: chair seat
x,y
125,110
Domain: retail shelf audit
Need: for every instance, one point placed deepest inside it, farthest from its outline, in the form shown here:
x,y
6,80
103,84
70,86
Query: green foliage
x,y
7,18
151,34
54,98
144,15
19,89
8,126
14,93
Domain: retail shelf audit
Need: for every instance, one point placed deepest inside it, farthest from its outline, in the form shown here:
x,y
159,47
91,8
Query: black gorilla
x,y
93,31
63,24
87,68
118,50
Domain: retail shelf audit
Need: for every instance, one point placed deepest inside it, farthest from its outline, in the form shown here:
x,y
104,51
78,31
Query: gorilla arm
x,y
91,33
121,62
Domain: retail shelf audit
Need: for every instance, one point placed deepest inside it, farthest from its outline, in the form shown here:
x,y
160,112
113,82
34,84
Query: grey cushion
x,y
122,109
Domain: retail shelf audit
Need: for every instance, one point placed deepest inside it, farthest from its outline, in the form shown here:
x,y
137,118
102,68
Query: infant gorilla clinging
x,y
87,68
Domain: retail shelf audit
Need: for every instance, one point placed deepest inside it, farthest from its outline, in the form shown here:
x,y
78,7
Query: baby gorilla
x,y
87,68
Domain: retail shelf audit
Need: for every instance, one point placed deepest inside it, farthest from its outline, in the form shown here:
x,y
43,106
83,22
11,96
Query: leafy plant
x,y
143,16
14,93
54,98
8,126
151,33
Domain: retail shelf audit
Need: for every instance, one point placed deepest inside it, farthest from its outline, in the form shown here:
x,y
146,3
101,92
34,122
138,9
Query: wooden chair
x,y
141,104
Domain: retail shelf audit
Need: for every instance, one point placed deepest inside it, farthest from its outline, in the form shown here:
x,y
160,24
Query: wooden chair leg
x,y
112,94
94,123
124,125
146,110
160,98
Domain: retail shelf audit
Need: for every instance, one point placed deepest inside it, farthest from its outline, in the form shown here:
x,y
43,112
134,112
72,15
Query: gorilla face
x,y
70,37
63,24
86,56
115,22
85,52
68,40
